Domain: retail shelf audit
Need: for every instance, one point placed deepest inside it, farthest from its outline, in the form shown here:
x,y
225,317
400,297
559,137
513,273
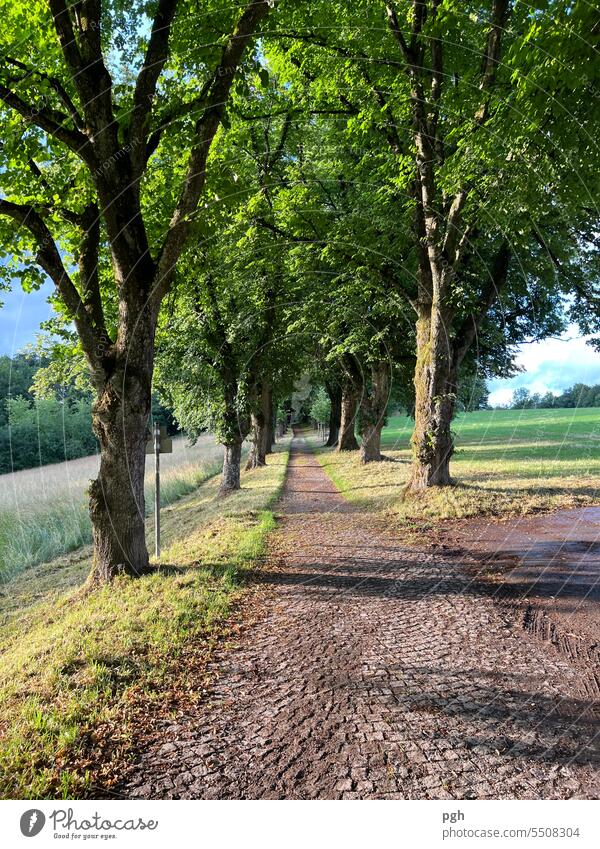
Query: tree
x,y
230,358
321,406
102,170
460,115
16,376
521,398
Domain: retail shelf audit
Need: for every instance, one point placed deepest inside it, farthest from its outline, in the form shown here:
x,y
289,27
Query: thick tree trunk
x,y
230,478
335,415
256,456
349,408
116,497
435,398
372,413
370,446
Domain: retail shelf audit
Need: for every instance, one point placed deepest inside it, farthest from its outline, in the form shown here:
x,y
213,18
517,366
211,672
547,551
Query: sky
x,y
552,365
20,317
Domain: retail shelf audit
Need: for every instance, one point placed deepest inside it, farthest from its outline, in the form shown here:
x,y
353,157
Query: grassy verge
x,y
44,512
72,661
507,462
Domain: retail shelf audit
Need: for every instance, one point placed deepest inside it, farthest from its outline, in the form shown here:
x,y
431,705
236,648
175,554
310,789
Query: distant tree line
x,y
36,431
579,395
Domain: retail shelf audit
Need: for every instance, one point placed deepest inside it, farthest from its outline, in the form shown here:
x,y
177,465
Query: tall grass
x,y
43,511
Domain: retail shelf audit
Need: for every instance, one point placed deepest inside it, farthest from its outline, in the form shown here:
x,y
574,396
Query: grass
x,y
74,660
507,462
44,514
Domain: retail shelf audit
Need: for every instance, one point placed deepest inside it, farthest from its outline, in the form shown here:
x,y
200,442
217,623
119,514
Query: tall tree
x,y
86,144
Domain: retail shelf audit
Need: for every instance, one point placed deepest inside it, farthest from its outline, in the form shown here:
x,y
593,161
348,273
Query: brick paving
x,y
374,671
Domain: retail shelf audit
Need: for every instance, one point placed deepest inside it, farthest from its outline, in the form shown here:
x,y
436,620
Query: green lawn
x,y
506,462
576,432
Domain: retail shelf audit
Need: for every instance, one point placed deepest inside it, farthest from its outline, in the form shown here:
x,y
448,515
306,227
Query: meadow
x,y
43,511
506,462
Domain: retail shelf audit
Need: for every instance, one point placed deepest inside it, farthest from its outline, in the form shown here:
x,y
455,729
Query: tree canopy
x,y
387,196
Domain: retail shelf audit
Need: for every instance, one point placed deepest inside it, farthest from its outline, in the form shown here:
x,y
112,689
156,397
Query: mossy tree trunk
x,y
372,412
434,402
442,235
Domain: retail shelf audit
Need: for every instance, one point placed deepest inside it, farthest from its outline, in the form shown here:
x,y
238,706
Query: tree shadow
x,y
501,717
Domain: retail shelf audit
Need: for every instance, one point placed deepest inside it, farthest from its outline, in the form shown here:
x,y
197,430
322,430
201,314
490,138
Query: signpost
x,y
158,444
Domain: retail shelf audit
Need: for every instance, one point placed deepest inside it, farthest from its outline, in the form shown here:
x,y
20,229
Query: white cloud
x,y
550,366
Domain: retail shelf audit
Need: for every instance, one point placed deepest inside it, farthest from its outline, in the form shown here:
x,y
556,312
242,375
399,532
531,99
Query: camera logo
x,y
32,822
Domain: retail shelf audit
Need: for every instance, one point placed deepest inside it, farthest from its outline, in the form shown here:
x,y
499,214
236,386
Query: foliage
x,y
321,406
16,377
45,431
579,395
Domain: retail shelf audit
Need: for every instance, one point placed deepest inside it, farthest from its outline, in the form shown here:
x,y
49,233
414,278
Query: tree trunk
x,y
270,434
335,415
351,391
435,398
372,413
268,413
259,425
230,478
256,457
116,497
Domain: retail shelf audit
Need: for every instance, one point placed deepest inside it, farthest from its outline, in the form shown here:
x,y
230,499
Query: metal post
x,y
157,489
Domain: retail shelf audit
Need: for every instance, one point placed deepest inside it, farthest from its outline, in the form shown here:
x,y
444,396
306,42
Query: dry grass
x,y
71,660
43,511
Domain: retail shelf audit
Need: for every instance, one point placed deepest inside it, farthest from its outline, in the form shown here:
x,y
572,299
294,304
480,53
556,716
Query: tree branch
x,y
397,32
56,85
48,257
88,71
471,325
145,88
50,121
206,128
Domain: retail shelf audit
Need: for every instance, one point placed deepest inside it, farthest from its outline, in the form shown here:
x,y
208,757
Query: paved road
x,y
373,671
550,566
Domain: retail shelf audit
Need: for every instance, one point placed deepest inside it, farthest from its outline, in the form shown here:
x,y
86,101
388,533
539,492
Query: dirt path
x,y
549,567
373,671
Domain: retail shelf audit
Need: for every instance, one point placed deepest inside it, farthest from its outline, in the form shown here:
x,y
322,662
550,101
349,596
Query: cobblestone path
x,y
374,671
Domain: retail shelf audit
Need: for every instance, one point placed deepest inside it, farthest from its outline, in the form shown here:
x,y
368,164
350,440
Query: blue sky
x,y
551,365
20,317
